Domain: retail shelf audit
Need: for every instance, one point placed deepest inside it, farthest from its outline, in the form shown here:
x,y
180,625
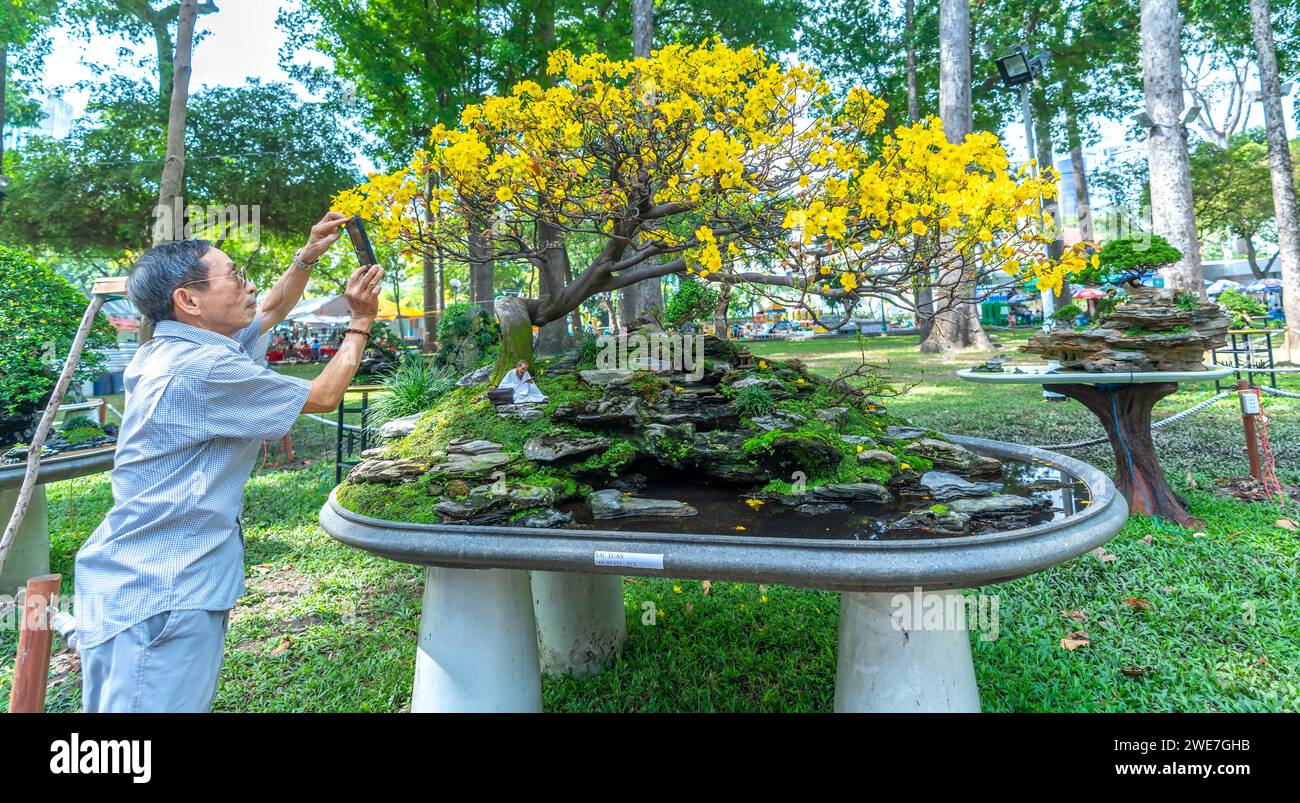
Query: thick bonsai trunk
x,y
516,337
720,328
554,336
1125,412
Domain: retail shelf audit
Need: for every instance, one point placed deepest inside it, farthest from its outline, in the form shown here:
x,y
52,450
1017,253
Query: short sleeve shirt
x,y
198,408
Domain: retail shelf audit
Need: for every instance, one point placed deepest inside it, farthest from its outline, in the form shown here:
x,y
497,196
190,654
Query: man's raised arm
x,y
363,298
286,292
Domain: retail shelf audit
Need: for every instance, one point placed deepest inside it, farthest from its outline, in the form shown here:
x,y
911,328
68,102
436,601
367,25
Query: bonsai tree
x,y
39,314
711,162
1241,308
1124,262
693,302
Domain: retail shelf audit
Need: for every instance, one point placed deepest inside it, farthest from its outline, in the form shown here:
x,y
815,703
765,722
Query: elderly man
x,y
156,580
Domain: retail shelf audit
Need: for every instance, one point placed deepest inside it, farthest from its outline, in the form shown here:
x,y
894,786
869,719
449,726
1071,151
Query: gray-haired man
x,y
156,580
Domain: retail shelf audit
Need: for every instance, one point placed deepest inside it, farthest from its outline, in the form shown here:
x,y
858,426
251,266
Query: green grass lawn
x,y
327,628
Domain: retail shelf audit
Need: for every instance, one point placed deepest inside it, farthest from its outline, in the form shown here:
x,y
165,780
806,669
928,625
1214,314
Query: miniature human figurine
x,y
526,390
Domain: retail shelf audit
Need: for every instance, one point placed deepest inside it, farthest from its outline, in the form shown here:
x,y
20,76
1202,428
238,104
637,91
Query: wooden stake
x,y
43,428
1252,440
32,666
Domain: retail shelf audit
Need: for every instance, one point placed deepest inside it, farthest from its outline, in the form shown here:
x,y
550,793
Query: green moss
x,y
915,462
82,434
939,510
619,454
408,501
647,386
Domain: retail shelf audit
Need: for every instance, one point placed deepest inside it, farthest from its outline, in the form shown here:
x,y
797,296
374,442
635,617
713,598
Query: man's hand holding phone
x,y
362,294
323,235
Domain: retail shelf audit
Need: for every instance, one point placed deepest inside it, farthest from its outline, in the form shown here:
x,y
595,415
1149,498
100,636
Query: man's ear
x,y
185,301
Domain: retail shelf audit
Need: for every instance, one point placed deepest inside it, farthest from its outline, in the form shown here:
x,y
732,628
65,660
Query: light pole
x,y
455,290
1018,70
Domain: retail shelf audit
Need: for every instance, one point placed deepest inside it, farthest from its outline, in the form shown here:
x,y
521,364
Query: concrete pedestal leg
x,y
581,622
478,643
890,662
29,555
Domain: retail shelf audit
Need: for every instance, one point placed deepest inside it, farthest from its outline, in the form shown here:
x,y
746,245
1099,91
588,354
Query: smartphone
x,y
360,242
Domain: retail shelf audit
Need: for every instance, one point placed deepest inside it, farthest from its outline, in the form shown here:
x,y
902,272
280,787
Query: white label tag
x,y
1249,403
631,560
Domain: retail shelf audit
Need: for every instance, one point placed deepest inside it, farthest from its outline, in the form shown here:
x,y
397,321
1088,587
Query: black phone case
x,y
360,242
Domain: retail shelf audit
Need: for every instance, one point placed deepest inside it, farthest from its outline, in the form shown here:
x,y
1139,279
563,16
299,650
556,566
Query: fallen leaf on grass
x,y
1198,535
1103,555
1146,539
1262,660
1072,644
282,647
1080,634
1136,671
1077,616
1139,603
633,580
1168,589
707,585
1287,524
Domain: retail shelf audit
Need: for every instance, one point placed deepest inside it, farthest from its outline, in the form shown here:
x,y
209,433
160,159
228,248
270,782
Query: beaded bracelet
x,y
357,332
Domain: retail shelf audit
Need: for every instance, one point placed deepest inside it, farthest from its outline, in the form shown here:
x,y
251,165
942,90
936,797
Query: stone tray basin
x,y
477,649
29,555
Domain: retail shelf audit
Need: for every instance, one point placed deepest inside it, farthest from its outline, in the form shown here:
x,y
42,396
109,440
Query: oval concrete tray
x,y
61,467
937,563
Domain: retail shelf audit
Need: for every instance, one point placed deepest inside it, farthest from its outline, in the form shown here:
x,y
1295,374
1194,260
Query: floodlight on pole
x,y
1018,70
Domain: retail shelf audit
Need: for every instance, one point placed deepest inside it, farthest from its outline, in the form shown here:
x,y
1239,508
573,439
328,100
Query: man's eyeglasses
x,y
237,274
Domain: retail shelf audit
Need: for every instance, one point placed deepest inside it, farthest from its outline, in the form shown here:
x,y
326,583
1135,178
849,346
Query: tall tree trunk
x,y
955,325
643,299
481,272
909,37
1252,258
1172,213
1082,199
4,76
429,277
1046,156
643,28
1283,173
922,299
173,172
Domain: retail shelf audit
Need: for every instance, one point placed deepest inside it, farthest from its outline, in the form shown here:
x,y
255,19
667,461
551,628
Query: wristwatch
x,y
300,263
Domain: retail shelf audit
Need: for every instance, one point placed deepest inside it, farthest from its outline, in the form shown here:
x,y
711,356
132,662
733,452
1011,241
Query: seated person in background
x,y
526,391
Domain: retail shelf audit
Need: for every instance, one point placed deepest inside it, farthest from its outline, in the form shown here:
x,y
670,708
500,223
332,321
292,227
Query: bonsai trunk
x,y
516,337
720,312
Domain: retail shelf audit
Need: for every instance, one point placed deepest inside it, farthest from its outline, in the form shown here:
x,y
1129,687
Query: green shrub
x,y
1067,314
39,314
413,387
466,335
1241,308
1126,260
693,302
753,400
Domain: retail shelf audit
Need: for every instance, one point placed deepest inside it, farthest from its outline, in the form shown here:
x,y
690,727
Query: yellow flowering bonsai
x,y
715,162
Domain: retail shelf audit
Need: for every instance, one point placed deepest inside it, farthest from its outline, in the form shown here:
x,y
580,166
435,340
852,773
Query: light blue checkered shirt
x,y
198,410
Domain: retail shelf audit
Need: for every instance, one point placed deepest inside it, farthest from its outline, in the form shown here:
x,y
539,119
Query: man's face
x,y
520,369
226,304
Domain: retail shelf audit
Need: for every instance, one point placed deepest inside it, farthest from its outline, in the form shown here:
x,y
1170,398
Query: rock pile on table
x,y
772,430
1151,331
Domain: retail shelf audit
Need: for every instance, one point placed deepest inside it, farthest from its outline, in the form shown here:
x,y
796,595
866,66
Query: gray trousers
x,y
167,663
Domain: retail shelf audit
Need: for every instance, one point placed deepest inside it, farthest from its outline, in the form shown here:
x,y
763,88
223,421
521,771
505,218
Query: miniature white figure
x,y
526,390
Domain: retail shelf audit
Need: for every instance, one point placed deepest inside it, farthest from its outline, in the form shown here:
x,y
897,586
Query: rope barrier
x,y
1285,393
335,423
1196,408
